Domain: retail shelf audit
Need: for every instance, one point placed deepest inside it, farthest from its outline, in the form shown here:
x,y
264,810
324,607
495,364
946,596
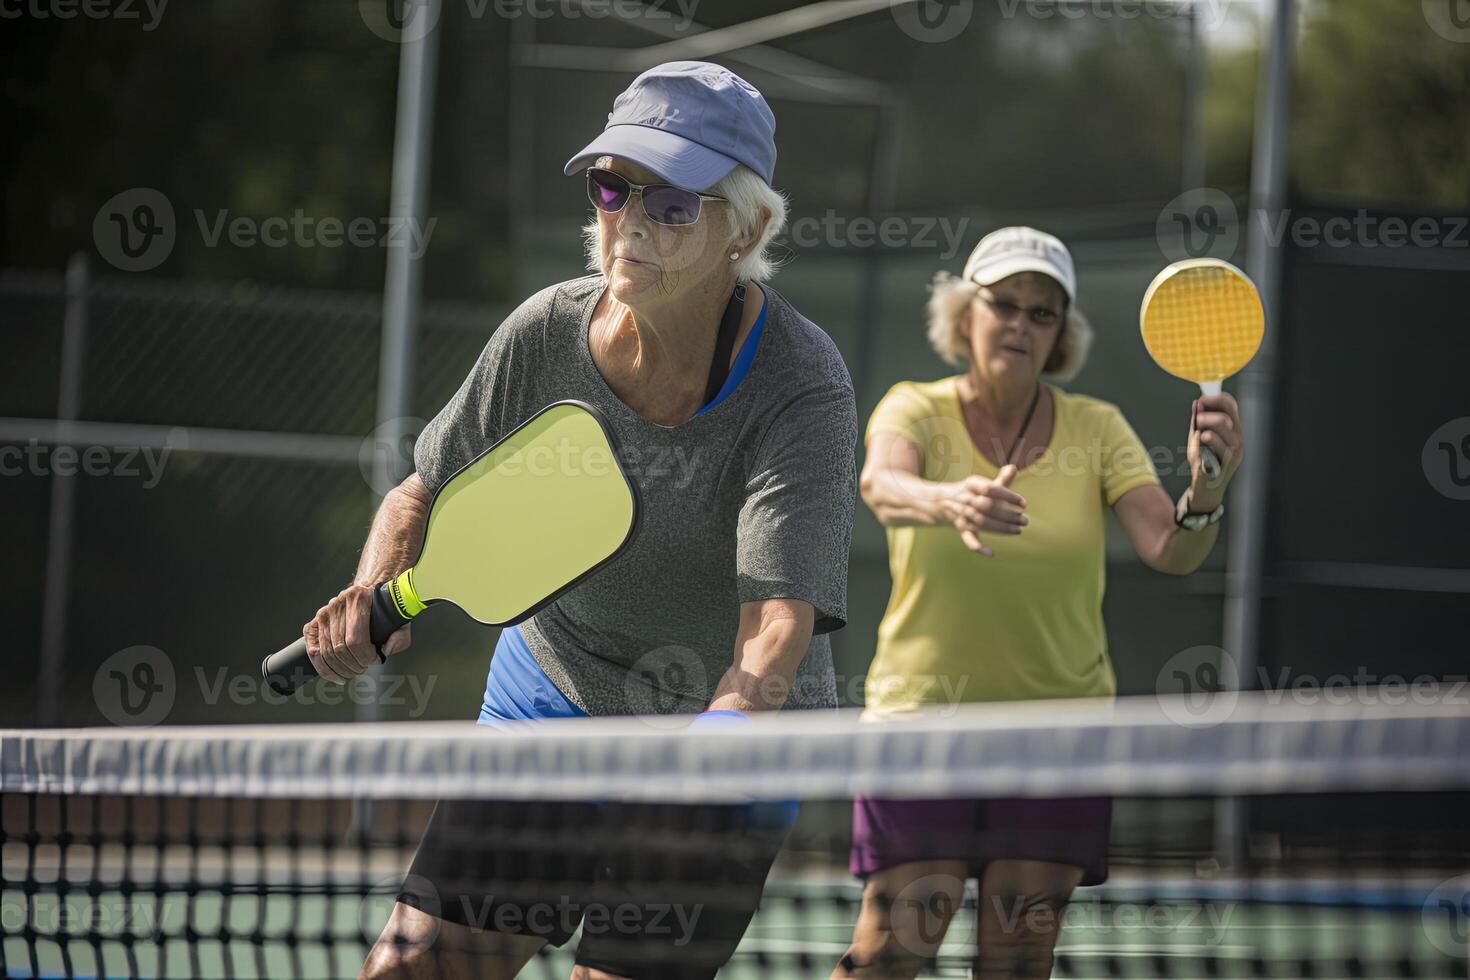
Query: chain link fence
x,y
223,467
215,491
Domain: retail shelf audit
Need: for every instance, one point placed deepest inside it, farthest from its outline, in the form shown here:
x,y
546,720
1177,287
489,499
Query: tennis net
x,y
1268,840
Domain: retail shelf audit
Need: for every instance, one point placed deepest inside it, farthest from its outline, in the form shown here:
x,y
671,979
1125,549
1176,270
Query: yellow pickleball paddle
x,y
514,528
1202,321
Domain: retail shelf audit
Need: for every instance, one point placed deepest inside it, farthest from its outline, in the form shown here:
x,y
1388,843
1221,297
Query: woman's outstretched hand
x,y
976,504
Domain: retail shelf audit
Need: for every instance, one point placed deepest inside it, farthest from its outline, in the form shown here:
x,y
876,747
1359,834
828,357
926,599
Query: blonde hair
x,y
949,300
748,196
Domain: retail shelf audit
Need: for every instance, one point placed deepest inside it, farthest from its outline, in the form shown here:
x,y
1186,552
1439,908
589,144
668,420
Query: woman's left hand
x,y
1214,423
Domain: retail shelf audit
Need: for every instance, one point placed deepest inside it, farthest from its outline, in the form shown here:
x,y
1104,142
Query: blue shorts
x,y
518,689
661,891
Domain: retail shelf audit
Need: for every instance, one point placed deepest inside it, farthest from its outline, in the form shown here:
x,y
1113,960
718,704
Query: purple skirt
x,y
1072,831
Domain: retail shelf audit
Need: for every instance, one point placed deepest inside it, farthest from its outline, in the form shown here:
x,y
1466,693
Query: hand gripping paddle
x,y
1202,321
514,528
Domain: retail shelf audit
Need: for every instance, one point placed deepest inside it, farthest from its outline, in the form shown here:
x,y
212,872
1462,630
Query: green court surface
x,y
1132,926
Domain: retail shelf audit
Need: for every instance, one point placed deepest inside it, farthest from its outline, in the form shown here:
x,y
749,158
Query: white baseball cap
x,y
1016,249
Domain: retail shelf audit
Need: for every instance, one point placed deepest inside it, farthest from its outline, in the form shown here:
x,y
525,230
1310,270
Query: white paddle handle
x,y
1208,461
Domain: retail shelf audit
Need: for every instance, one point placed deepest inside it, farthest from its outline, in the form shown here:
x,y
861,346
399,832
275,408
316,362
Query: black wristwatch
x,y
1191,521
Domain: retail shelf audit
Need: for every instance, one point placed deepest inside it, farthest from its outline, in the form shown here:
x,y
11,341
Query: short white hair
x,y
748,195
949,299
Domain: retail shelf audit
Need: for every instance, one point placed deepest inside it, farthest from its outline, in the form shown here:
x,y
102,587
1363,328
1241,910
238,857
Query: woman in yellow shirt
x,y
993,487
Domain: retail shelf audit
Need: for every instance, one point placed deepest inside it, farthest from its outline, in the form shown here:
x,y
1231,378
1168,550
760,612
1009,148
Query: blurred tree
x,y
264,108
1380,105
245,109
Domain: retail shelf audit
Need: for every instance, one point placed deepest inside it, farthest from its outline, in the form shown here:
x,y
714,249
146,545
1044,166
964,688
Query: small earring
x,y
734,256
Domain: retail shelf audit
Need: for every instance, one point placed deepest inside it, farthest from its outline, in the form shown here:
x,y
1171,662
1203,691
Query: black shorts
x,y
662,891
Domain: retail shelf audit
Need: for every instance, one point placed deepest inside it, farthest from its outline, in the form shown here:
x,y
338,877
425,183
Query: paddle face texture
x,y
1202,320
528,518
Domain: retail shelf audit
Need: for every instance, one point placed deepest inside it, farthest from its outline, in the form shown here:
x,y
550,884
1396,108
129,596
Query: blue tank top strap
x,y
742,360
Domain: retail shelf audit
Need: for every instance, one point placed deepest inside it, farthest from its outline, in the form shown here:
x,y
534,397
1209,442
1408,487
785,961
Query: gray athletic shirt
x,y
749,500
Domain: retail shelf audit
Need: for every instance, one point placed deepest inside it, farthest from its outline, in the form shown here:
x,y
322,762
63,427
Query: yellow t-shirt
x,y
1026,623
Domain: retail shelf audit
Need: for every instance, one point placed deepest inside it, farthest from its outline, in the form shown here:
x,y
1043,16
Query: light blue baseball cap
x,y
690,122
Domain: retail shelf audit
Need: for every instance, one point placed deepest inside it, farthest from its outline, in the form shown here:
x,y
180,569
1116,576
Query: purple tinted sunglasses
x,y
664,204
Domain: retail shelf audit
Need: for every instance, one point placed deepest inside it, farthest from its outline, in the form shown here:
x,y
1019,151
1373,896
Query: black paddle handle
x,y
291,668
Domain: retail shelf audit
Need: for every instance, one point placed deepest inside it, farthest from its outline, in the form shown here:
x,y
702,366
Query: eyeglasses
x,y
664,204
1041,316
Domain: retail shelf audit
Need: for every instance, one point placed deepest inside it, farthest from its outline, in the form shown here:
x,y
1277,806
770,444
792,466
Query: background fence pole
x,y
63,498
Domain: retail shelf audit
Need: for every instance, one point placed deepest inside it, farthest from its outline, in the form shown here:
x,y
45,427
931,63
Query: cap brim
x,y
679,161
991,274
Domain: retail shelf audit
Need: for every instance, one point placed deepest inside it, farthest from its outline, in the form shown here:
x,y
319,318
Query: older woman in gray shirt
x,y
735,418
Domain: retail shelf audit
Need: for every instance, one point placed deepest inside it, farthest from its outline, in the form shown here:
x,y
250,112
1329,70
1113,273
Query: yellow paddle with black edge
x,y
551,497
1202,321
